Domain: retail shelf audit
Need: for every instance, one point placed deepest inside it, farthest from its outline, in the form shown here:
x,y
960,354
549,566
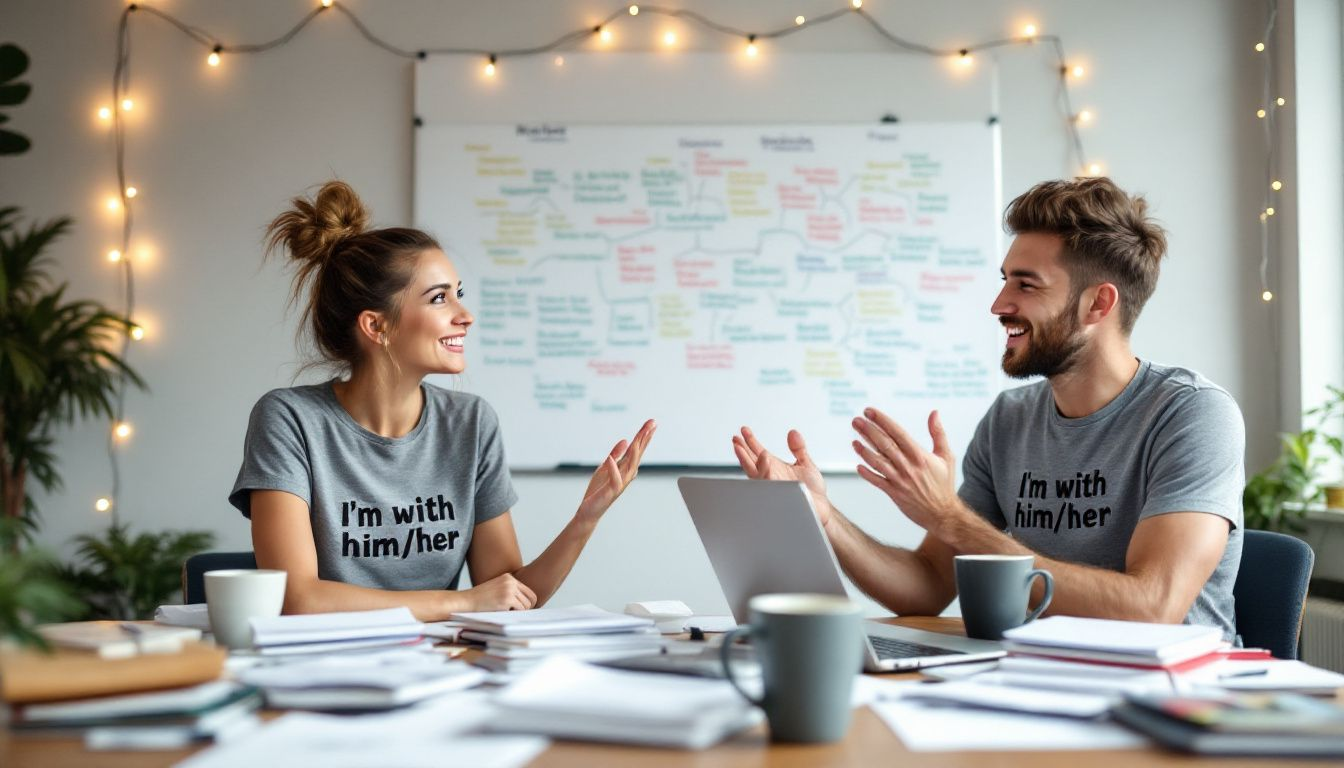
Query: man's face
x,y
1037,309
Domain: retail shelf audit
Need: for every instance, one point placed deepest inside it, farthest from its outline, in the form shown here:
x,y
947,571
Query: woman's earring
x,y
382,339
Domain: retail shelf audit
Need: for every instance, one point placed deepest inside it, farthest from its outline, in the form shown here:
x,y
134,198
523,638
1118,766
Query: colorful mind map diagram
x,y
718,276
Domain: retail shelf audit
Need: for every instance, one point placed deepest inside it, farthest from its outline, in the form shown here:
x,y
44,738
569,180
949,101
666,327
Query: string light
x,y
122,430
751,45
326,3
1267,296
603,33
1077,70
669,38
490,66
1094,169
1260,113
1276,185
1259,47
856,3
1029,31
213,58
799,21
136,332
104,113
127,105
1269,211
113,203
1280,101
559,61
1085,116
132,192
102,504
964,58
1270,126
114,255
634,10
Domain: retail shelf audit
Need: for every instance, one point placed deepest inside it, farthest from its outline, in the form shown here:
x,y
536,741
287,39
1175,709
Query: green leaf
x,y
12,143
13,62
14,94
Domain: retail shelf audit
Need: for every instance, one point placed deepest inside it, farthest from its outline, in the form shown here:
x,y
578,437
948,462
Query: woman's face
x,y
431,333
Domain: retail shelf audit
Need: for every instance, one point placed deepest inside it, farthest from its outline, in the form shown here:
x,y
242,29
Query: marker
x,y
1244,673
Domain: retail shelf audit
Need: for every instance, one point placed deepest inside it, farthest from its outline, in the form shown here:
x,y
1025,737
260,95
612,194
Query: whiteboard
x,y
710,276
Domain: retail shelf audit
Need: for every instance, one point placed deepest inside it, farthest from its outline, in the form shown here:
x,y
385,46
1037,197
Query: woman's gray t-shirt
x,y
389,513
1074,489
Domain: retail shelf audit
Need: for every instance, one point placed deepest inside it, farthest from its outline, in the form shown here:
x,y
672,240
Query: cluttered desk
x,y
532,693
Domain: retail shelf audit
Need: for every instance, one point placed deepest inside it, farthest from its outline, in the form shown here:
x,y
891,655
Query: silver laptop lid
x,y
757,542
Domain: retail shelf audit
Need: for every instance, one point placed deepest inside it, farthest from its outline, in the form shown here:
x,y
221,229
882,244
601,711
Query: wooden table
x,y
868,743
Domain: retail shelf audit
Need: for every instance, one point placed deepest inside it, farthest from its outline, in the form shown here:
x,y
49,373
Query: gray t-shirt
x,y
1074,489
390,513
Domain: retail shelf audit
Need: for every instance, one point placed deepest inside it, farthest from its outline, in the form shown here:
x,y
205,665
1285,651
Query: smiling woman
x,y
373,489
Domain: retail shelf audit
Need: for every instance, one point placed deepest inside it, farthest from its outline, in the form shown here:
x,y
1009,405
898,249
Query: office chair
x,y
193,571
1271,591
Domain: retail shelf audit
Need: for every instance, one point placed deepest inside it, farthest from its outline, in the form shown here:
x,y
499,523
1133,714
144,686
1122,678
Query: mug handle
x,y
1049,592
725,650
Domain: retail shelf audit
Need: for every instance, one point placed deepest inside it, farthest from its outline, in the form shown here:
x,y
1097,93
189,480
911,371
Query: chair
x,y
1271,591
193,571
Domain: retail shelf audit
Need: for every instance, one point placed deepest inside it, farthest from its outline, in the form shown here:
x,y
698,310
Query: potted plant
x,y
1277,498
32,591
123,577
1332,411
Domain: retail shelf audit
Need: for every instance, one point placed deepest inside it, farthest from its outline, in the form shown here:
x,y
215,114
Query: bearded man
x,y
1122,477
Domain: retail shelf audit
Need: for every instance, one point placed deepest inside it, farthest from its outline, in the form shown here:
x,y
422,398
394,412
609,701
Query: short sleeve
x,y
1196,462
977,477
494,486
275,455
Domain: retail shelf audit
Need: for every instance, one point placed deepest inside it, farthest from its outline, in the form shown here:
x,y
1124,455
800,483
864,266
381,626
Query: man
x,y
1122,477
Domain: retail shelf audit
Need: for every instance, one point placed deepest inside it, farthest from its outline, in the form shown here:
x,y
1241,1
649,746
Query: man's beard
x,y
1051,349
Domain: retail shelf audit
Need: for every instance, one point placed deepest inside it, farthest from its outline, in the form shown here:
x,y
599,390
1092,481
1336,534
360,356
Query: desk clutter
x,y
530,676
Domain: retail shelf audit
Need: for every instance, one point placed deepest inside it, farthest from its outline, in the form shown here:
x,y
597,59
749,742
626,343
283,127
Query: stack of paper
x,y
519,640
324,632
118,639
366,681
161,720
1119,642
569,699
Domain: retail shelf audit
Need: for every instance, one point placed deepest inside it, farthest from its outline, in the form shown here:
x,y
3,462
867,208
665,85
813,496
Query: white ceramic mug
x,y
234,597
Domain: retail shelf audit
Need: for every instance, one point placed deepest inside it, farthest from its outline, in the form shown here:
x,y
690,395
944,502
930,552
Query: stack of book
x,y
372,680
516,641
127,685
328,632
565,698
1239,724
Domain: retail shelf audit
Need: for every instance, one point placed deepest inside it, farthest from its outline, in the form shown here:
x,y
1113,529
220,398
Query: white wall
x,y
217,153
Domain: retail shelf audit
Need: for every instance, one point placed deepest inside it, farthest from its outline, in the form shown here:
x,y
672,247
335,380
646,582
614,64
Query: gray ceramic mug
x,y
994,590
810,648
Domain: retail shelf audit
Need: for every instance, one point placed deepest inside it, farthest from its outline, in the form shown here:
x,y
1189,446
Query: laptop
x,y
762,536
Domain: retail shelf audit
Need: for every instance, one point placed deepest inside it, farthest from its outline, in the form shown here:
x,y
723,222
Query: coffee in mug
x,y
994,590
234,597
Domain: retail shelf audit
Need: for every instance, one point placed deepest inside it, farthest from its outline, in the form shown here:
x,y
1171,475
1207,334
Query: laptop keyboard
x,y
888,648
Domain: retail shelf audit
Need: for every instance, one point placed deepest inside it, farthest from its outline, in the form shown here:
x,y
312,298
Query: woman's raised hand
x,y
618,469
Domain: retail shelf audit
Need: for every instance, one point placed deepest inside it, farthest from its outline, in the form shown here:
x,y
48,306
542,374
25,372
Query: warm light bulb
x,y
104,113
634,10
1094,169
122,430
1269,211
751,49
102,504
131,191
1077,70
212,59
490,69
605,34
327,3
799,20
1029,30
1276,185
559,61
856,3
1280,101
1085,116
965,59
127,105
136,332
1259,47
1259,113
669,38
114,255
1267,296
113,203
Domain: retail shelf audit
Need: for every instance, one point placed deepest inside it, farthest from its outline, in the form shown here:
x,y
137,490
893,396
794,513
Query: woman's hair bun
x,y
311,230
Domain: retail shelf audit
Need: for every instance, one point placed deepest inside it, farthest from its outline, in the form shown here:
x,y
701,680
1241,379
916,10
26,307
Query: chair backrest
x,y
193,571
1271,591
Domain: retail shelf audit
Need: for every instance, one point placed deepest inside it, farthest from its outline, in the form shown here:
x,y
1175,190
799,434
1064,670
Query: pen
x,y
1244,673
131,628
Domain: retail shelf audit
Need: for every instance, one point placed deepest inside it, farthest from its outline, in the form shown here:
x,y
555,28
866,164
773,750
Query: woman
x,y
373,490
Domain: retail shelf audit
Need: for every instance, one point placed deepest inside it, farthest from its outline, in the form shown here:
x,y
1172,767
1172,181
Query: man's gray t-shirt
x,y
389,513
1074,489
